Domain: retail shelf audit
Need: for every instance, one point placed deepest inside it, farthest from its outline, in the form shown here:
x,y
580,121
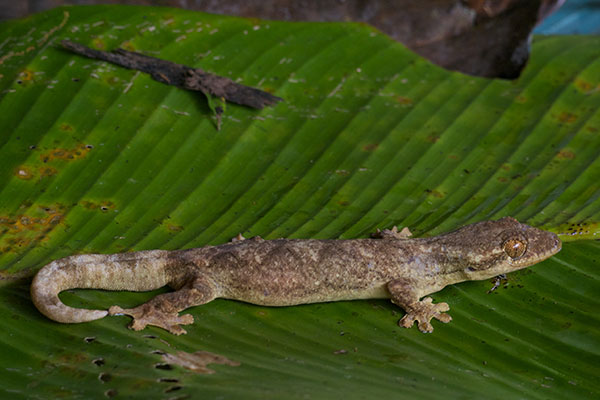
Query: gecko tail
x,y
125,271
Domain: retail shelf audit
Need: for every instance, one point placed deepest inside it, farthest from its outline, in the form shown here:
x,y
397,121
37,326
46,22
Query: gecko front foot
x,y
147,314
422,312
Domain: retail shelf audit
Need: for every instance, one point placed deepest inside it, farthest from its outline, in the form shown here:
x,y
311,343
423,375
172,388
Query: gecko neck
x,y
448,259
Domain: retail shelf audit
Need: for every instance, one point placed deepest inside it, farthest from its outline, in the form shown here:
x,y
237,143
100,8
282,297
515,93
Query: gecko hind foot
x,y
393,233
146,314
422,312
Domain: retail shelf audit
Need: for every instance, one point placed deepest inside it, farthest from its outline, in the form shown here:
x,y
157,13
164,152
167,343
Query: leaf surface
x,y
98,159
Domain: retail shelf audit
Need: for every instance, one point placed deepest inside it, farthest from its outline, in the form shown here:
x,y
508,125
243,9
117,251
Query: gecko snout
x,y
557,243
545,245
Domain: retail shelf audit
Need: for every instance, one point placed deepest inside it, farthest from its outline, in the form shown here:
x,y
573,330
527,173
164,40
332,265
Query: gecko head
x,y
497,247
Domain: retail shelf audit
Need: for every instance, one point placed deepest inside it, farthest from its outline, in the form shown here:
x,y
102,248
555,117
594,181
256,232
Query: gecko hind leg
x,y
163,310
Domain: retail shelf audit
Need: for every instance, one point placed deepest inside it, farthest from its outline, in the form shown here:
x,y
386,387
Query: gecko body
x,y
285,272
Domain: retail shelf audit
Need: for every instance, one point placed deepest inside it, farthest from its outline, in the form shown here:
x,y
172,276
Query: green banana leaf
x,y
95,158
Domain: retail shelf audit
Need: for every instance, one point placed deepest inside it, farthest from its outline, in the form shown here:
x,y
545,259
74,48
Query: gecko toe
x,y
407,321
176,330
425,327
445,318
137,325
186,319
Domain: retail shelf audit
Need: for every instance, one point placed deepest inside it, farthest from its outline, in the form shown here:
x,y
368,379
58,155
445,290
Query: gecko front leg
x,y
422,311
163,310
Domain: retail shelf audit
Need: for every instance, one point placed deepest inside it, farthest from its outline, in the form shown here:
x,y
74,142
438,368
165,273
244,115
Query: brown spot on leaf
x,y
502,179
26,76
22,230
111,80
71,358
565,155
28,222
404,100
433,138
567,117
168,19
75,153
99,44
198,361
435,193
583,86
65,127
90,205
47,171
174,227
19,242
370,147
269,89
254,21
128,45
24,173
520,99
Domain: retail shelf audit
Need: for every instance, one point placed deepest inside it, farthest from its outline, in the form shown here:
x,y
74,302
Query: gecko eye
x,y
515,248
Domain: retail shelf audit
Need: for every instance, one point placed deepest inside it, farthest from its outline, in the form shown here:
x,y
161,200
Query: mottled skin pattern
x,y
286,272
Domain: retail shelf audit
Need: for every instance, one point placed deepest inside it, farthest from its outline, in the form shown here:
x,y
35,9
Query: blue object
x,y
574,17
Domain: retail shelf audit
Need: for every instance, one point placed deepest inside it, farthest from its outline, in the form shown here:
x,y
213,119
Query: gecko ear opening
x,y
515,248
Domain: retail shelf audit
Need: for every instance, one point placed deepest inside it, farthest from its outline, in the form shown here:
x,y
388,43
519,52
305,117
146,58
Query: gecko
x,y
286,272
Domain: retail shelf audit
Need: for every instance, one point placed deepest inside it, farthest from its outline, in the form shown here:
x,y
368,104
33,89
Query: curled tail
x,y
137,271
